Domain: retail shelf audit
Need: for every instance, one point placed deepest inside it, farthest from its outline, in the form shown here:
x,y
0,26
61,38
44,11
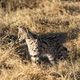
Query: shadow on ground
x,y
54,41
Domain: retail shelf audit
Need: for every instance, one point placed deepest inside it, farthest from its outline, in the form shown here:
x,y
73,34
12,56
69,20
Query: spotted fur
x,y
40,48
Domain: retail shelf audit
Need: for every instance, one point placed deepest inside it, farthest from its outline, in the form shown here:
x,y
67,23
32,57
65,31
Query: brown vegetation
x,y
57,17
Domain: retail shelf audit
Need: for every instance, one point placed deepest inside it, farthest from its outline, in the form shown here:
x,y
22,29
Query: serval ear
x,y
21,33
28,30
32,34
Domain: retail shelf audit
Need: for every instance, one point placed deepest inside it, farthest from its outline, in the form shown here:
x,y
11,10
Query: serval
x,y
40,49
31,41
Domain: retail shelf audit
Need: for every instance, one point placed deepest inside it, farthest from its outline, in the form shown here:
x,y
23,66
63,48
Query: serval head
x,y
31,41
25,33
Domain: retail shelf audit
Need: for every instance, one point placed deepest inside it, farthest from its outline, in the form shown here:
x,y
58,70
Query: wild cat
x,y
39,49
31,41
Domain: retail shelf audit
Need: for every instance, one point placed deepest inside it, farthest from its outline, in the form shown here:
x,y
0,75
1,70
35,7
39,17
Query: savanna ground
x,y
42,17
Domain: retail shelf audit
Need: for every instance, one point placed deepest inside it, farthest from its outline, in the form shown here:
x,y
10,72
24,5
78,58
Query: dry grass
x,y
42,17
12,68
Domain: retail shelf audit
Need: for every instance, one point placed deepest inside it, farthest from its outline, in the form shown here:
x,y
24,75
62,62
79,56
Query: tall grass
x,y
42,17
